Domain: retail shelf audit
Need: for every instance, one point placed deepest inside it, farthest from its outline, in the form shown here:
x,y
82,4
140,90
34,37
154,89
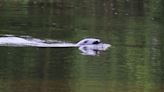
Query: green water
x,y
134,63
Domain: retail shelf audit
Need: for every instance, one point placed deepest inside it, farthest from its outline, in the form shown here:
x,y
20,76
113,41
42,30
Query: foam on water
x,y
34,42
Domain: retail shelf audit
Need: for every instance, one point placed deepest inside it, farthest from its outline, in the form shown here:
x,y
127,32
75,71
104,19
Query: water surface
x,y
134,63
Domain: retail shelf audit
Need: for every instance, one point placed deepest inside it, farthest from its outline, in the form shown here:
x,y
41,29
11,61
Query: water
x,y
134,63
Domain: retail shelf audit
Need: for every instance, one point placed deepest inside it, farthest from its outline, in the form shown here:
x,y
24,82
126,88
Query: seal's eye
x,y
85,41
96,42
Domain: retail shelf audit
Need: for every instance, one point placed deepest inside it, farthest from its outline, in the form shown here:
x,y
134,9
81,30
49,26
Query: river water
x,y
134,62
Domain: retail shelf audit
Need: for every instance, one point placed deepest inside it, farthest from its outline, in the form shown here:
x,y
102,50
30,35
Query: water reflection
x,y
93,49
134,64
88,46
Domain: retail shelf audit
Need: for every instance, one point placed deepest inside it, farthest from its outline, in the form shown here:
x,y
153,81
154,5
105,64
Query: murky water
x,y
134,63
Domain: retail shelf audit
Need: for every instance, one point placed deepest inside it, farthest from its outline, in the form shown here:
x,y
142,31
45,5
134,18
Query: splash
x,y
33,42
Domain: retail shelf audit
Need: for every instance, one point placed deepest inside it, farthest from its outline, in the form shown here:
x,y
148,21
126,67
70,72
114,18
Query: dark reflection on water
x,y
133,63
22,71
